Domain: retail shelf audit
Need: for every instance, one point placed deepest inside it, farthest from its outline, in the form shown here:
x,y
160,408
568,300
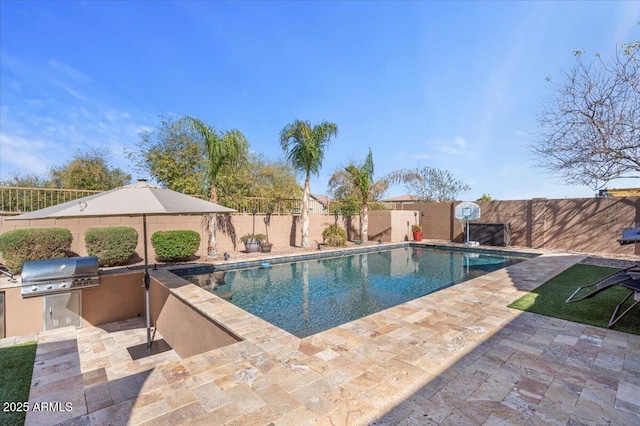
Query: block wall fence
x,y
588,225
283,230
582,225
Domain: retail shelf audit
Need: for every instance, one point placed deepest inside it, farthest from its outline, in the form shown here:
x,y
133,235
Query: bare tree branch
x,y
590,128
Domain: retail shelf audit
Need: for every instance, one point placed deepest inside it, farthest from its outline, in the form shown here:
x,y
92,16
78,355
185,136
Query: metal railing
x,y
294,206
17,200
265,205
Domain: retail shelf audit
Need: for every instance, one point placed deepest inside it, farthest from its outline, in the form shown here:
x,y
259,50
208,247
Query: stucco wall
x,y
579,224
284,230
22,316
583,224
119,297
390,225
183,328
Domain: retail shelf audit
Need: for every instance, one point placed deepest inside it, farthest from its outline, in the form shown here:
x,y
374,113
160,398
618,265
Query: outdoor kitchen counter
x,y
5,283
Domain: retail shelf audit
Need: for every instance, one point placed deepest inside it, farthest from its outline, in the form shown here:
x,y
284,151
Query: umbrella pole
x,y
146,281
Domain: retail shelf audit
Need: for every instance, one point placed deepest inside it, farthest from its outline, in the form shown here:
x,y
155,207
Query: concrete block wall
x,y
579,224
284,230
390,225
583,224
437,222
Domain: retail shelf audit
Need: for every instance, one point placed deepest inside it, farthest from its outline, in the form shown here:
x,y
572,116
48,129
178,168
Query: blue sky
x,y
452,85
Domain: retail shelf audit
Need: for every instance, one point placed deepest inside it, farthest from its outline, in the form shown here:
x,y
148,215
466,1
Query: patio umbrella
x,y
138,199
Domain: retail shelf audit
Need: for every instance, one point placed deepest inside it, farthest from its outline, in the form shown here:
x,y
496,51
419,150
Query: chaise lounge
x,y
630,236
628,278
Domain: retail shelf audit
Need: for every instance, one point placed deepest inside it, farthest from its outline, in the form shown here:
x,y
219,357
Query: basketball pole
x,y
466,226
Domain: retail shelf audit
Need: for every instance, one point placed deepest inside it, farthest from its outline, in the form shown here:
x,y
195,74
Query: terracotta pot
x,y
266,247
417,236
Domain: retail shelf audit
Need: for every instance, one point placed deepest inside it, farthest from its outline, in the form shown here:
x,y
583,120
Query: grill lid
x,y
59,269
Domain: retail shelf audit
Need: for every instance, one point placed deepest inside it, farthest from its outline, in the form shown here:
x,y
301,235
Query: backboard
x,y
467,211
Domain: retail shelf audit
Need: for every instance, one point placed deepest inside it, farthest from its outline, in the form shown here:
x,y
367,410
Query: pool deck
x,y
458,356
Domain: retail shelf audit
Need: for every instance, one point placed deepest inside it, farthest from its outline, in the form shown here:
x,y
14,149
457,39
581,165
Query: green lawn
x,y
549,299
16,367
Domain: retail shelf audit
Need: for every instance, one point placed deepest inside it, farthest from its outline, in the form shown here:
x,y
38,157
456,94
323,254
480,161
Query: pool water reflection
x,y
307,297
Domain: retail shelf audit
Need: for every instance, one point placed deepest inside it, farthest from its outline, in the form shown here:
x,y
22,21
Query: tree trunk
x,y
211,246
305,215
213,195
364,223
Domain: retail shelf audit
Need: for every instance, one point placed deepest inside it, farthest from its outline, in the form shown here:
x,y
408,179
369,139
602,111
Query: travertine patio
x,y
458,356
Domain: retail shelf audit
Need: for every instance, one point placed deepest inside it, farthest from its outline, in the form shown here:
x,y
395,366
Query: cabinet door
x,y
63,310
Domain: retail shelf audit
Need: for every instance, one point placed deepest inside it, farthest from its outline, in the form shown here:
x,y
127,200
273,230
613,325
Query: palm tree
x,y
357,181
304,147
223,149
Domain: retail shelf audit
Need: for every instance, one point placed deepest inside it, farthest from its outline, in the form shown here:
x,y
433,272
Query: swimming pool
x,y
309,296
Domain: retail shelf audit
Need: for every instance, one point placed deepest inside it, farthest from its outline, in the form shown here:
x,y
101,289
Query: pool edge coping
x,y
249,327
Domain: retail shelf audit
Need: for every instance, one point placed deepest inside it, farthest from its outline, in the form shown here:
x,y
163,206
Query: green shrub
x,y
259,237
174,246
334,236
21,245
112,245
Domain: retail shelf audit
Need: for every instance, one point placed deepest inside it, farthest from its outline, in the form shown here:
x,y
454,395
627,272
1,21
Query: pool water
x,y
310,296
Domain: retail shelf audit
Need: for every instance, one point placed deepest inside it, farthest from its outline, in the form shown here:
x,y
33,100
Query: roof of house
x,y
322,199
402,199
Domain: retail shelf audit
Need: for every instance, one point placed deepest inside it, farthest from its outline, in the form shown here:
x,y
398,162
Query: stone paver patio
x,y
458,356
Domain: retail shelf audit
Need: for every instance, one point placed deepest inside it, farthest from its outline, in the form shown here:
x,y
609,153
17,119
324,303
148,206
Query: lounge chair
x,y
630,236
628,278
617,278
634,286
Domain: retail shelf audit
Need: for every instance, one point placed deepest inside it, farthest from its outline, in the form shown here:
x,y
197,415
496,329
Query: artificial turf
x,y
549,299
16,368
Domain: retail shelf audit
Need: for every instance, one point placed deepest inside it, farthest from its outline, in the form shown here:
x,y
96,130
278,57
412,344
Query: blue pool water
x,y
307,297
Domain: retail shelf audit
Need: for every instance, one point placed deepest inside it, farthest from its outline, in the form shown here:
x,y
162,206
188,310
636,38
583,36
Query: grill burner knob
x,y
49,286
34,288
63,285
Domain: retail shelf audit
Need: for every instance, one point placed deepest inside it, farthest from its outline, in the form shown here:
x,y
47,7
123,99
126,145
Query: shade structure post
x,y
147,280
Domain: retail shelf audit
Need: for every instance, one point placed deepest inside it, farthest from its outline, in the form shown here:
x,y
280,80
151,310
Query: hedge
x,y
174,246
21,245
113,245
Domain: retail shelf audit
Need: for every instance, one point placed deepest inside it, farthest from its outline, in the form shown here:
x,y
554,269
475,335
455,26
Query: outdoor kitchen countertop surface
x,y
5,283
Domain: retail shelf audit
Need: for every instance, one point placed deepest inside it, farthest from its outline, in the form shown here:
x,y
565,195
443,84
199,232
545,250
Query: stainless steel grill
x,y
59,275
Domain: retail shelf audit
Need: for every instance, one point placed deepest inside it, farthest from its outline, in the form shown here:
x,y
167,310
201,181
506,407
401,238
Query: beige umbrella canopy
x,y
138,199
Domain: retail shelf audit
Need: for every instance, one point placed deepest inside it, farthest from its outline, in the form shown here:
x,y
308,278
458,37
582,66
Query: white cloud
x,y
627,23
456,146
37,137
23,156
68,71
74,93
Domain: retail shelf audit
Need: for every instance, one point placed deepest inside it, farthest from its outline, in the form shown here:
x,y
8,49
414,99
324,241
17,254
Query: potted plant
x,y
265,246
417,232
252,242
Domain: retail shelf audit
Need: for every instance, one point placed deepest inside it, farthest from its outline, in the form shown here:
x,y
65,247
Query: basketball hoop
x,y
465,212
